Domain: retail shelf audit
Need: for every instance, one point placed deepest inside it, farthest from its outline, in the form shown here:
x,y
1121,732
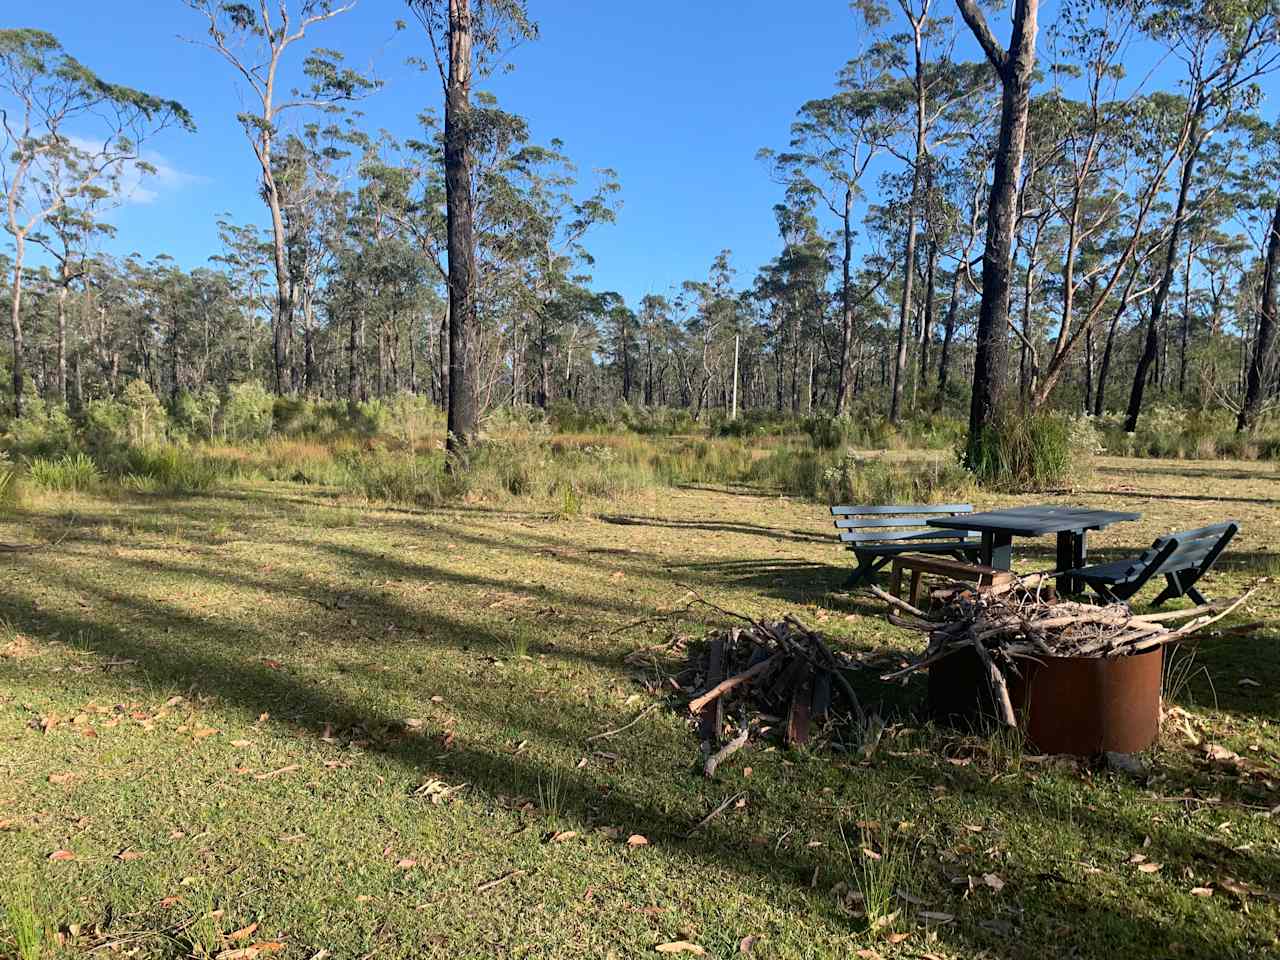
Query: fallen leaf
x,y
242,743
268,946
898,937
62,855
993,881
1248,682
636,840
204,732
747,944
681,946
1149,867
867,953
126,855
244,933
275,773
61,778
406,863
1202,891
272,664
563,835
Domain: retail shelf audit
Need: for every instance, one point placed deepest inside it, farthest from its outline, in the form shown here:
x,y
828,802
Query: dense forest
x,y
1039,228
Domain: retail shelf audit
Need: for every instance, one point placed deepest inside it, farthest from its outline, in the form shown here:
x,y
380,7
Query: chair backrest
x,y
907,522
1197,549
1186,550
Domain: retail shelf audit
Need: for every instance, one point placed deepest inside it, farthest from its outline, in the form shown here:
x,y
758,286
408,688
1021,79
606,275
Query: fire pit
x,y
1077,705
1077,678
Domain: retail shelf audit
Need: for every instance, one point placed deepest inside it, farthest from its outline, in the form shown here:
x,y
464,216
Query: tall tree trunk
x,y
1014,67
15,323
64,289
1150,345
926,323
462,418
442,354
354,387
1088,370
846,306
948,335
1104,368
1253,389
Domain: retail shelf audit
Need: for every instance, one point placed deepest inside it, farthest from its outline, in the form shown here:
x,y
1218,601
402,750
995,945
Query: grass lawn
x,y
365,731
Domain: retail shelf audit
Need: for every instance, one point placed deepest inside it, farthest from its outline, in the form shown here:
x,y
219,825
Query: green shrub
x,y
105,425
43,430
145,420
1038,452
10,486
70,473
170,468
247,412
196,414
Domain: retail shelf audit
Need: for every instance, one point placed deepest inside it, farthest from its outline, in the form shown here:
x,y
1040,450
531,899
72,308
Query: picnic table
x,y
999,527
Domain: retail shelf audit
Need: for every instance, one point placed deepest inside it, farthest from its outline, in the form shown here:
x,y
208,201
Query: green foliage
x,y
196,414
44,430
23,918
170,468
833,478
1187,433
10,486
145,420
247,412
70,473
1038,452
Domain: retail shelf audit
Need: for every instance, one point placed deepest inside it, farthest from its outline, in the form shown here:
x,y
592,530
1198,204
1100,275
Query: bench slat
x,y
878,535
869,510
853,524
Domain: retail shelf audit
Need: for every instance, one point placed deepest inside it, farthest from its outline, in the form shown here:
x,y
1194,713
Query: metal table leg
x,y
1072,550
997,549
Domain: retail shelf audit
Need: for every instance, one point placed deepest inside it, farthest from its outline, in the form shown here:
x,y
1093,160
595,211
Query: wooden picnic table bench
x,y
877,534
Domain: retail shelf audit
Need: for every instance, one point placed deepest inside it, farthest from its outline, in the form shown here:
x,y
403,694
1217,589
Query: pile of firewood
x,y
777,670
1002,626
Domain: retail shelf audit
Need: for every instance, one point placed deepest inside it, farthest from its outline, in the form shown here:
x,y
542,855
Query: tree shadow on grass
x,y
224,665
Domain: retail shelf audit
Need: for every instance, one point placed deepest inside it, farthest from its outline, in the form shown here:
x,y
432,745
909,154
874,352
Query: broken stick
x,y
724,686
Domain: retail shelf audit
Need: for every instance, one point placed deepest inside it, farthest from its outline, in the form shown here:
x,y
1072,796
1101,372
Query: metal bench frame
x,y
877,534
1182,557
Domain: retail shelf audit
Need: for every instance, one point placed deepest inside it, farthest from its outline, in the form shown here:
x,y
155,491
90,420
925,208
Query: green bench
x,y
1183,558
877,534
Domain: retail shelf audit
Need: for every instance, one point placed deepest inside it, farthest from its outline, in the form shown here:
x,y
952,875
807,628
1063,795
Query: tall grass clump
x,y
10,485
703,461
170,468
23,919
848,478
1038,452
70,473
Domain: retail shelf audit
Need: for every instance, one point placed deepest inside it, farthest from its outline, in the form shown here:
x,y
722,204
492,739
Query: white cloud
x,y
138,186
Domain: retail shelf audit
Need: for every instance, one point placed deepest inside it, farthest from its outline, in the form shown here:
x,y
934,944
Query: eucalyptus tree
x,y
58,115
68,236
1226,46
1014,66
833,141
1266,139
255,44
936,90
465,36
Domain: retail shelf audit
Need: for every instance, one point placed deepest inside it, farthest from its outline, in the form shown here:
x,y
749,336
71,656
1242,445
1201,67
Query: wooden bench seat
x,y
878,533
951,569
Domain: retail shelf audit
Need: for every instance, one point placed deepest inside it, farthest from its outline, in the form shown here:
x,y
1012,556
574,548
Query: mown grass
x,y
360,726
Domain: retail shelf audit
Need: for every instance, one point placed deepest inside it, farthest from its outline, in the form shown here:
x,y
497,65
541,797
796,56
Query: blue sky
x,y
676,96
